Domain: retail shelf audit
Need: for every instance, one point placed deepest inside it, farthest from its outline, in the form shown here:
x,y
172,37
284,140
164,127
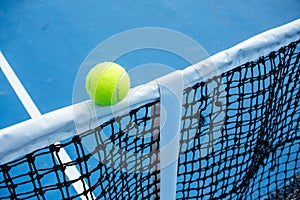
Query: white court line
x,y
24,97
71,171
73,174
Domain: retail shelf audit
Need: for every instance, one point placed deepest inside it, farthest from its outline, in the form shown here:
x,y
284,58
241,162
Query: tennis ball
x,y
107,83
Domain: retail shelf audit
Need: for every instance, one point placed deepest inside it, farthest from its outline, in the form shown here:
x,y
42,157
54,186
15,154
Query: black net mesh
x,y
42,174
254,148
248,149
290,190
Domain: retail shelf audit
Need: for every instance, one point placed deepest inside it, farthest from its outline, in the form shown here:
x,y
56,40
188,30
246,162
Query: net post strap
x,y
171,95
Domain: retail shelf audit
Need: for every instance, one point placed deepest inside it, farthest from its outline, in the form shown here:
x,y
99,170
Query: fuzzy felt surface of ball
x,y
107,83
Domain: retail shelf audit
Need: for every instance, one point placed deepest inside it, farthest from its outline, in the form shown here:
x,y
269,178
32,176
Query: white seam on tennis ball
x,y
117,88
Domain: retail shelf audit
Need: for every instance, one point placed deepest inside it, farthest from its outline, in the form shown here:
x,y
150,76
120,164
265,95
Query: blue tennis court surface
x,y
45,42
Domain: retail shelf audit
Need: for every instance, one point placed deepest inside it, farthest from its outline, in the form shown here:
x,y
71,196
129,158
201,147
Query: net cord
x,y
58,125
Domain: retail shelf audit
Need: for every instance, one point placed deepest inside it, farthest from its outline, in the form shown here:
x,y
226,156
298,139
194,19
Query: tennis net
x,y
252,152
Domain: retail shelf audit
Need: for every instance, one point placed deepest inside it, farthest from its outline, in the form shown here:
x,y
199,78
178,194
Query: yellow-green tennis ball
x,y
107,83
